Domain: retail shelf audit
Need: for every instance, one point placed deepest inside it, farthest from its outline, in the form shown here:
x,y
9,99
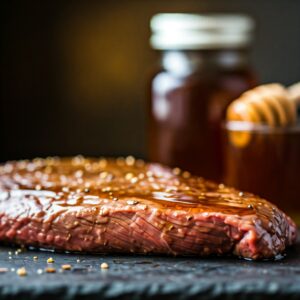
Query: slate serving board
x,y
148,277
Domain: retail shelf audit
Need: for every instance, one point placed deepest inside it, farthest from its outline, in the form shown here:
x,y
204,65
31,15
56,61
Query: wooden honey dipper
x,y
270,104
294,91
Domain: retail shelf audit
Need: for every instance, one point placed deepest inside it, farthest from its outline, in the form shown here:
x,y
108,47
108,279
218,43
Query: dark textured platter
x,y
148,277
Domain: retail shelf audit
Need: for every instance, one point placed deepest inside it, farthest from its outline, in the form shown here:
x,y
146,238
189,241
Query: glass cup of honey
x,y
261,149
264,160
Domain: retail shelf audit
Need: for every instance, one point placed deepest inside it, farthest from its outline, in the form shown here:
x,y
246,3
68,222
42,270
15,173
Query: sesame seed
x,y
134,180
66,267
149,174
155,186
78,159
48,169
103,175
78,174
129,176
35,258
102,163
176,171
130,160
38,187
186,174
66,189
141,176
140,163
50,260
132,202
103,211
39,271
241,194
22,272
50,270
104,266
120,161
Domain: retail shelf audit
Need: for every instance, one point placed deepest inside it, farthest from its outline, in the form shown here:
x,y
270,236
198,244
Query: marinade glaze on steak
x,y
126,205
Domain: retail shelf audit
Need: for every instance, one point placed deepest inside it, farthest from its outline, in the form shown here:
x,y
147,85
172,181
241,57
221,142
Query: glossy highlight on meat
x,y
125,205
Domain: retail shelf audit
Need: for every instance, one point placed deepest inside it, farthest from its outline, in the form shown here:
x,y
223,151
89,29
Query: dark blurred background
x,y
74,73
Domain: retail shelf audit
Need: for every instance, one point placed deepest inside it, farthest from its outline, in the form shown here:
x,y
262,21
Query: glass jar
x,y
204,66
264,160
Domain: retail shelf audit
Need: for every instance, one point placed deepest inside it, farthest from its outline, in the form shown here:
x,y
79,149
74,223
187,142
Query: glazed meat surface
x,y
129,206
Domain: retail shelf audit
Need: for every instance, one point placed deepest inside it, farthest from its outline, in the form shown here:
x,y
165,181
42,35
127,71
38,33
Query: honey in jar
x,y
262,147
204,66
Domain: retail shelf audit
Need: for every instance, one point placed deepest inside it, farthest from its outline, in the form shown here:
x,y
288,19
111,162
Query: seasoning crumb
x,y
9,253
13,269
104,266
66,267
39,271
22,272
9,257
50,260
35,258
78,260
50,270
3,270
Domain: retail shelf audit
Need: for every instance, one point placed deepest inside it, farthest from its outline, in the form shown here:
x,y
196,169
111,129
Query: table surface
x,y
147,277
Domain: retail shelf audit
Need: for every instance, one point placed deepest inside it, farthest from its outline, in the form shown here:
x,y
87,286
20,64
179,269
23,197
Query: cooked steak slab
x,y
126,205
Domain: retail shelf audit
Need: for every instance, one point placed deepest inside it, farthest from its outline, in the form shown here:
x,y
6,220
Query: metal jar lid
x,y
200,31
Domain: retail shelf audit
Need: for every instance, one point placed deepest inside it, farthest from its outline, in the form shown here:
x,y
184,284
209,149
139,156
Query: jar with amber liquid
x,y
261,147
265,160
204,65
